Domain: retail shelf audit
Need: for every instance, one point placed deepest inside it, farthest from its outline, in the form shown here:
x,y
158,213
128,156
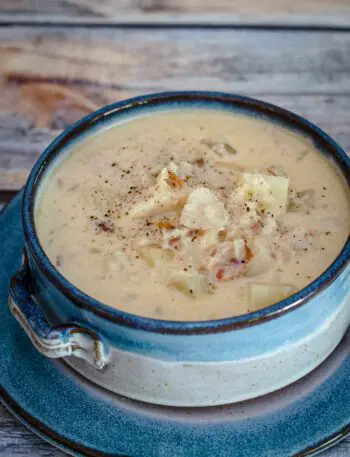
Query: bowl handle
x,y
50,341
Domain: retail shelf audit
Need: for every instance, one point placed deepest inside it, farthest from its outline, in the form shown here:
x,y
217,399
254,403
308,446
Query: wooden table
x,y
61,59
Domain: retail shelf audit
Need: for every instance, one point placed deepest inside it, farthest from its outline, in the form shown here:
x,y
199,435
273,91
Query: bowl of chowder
x,y
187,248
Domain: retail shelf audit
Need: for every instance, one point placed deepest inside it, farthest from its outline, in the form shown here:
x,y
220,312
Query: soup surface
x,y
192,214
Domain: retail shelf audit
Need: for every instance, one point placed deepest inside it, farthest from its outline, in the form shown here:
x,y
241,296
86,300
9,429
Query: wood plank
x,y
264,12
18,151
309,21
6,197
17,441
50,77
341,450
110,7
240,60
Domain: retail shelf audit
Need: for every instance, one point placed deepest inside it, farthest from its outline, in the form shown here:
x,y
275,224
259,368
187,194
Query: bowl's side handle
x,y
54,342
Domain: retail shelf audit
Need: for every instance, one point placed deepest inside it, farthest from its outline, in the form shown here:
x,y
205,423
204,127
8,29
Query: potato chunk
x,y
169,192
182,170
263,295
271,192
204,210
192,284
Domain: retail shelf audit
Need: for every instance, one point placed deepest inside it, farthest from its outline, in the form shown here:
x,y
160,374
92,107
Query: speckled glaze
x,y
73,414
194,363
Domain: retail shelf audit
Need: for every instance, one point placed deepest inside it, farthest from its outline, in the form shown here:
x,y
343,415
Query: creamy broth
x,y
193,214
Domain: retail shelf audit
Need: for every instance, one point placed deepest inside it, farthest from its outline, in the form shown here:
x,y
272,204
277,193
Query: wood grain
x,y
49,77
109,7
17,441
264,12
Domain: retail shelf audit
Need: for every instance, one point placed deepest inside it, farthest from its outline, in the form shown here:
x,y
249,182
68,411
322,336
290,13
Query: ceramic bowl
x,y
179,363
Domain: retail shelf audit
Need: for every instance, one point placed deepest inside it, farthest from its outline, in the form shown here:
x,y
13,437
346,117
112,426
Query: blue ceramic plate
x,y
301,420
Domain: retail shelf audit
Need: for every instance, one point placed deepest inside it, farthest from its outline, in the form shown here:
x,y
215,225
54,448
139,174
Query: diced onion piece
x,y
263,295
220,147
155,256
270,191
302,201
275,171
239,249
204,210
192,284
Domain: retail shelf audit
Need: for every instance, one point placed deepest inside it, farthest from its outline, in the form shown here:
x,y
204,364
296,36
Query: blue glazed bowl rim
x,y
250,105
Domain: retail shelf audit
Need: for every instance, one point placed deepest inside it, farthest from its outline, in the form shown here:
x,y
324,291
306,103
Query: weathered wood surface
x,y
17,441
50,77
110,7
263,12
6,197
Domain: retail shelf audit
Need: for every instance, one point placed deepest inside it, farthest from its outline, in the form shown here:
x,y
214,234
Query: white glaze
x,y
187,383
